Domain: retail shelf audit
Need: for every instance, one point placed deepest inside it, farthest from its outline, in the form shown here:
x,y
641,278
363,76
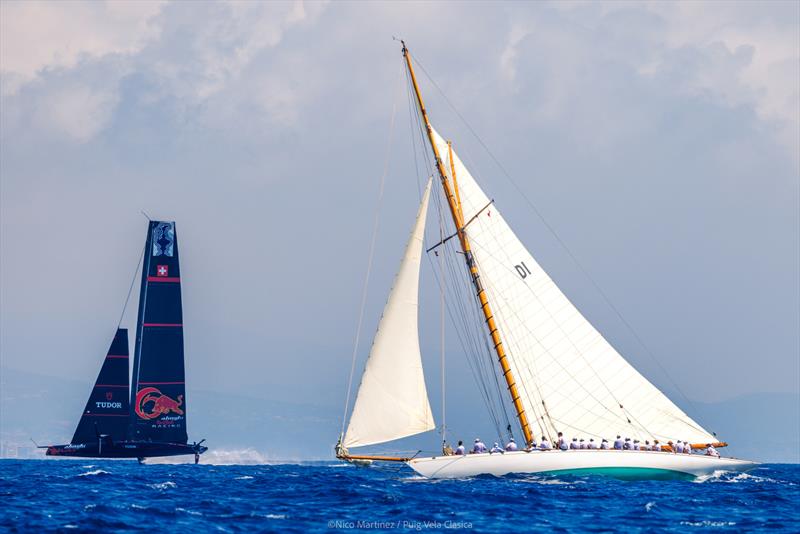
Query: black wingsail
x,y
158,391
107,409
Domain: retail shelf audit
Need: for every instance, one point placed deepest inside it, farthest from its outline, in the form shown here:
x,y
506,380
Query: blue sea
x,y
90,496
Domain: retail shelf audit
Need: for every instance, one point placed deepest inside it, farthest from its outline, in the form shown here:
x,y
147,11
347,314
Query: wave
x,y
164,485
729,477
96,472
706,523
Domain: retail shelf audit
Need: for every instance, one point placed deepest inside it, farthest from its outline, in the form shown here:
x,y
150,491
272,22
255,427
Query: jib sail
x,y
107,409
158,392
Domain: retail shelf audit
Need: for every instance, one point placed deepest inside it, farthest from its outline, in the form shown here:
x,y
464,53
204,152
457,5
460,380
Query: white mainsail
x,y
569,377
392,400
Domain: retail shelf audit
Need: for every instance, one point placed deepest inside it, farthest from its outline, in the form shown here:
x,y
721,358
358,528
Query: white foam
x,y
164,485
247,456
245,477
649,506
94,473
268,516
729,478
708,523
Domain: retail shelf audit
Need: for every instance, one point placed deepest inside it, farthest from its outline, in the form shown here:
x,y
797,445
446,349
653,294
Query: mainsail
x,y
106,411
158,391
392,400
569,377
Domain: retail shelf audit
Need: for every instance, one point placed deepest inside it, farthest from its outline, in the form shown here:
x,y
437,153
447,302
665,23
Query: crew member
x,y
618,443
496,448
478,447
460,450
574,444
511,445
545,444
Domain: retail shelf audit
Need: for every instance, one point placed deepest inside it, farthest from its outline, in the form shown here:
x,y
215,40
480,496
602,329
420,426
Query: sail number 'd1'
x,y
523,270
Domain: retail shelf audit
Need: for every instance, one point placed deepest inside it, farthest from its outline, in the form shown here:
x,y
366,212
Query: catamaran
x,y
147,418
561,374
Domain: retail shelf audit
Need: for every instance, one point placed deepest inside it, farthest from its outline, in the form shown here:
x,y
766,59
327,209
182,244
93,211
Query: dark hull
x,y
125,449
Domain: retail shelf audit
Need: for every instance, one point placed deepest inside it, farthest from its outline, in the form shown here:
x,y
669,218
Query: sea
x,y
123,496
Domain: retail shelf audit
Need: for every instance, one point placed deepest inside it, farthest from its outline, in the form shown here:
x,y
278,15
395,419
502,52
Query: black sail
x,y
158,391
107,409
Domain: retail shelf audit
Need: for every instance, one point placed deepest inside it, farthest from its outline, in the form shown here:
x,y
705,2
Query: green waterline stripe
x,y
625,473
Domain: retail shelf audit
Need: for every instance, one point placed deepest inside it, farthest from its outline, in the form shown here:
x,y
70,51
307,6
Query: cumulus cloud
x,y
36,36
185,54
744,53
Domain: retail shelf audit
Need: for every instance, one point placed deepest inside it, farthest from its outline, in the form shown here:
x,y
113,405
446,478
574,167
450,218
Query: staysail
x,y
392,400
158,391
569,377
106,411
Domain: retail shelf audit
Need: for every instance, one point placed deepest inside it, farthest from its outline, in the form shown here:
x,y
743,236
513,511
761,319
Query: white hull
x,y
639,465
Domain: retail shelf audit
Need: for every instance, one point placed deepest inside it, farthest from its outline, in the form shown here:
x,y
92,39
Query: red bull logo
x,y
151,403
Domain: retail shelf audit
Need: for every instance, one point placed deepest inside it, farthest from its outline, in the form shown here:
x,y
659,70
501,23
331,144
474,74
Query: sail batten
x,y
569,376
392,400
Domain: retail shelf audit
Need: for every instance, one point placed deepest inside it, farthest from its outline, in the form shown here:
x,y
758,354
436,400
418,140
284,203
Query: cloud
x,y
186,55
36,36
746,53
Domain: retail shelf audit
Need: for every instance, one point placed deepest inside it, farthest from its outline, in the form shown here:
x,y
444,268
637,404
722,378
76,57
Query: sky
x,y
660,141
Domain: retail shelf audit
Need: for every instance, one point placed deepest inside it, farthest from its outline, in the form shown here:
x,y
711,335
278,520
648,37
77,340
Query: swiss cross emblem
x,y
162,270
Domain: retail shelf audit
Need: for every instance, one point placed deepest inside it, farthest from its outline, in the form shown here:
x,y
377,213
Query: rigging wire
x,y
459,316
365,287
441,333
558,238
130,289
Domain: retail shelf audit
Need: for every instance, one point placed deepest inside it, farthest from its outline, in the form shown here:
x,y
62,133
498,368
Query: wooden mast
x,y
458,220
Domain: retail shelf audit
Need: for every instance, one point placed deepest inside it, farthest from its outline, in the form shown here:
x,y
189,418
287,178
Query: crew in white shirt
x,y
562,442
511,445
618,443
478,447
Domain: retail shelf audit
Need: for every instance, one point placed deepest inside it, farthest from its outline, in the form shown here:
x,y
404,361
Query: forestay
x,y
392,400
570,378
